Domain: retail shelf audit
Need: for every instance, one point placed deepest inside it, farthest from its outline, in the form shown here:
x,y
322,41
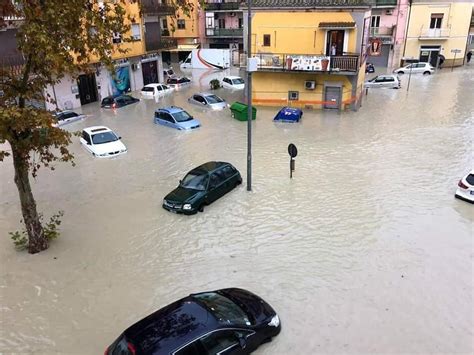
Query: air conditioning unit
x,y
388,12
310,85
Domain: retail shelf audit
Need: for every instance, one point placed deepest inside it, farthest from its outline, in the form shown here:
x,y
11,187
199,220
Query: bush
x,y
50,230
215,84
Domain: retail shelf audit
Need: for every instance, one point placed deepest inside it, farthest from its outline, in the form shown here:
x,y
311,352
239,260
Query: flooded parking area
x,y
365,250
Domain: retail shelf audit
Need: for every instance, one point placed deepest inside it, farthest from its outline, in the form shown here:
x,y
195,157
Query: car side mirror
x,y
120,137
180,182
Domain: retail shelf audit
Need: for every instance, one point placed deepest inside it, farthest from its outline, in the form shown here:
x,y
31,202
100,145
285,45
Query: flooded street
x,y
365,250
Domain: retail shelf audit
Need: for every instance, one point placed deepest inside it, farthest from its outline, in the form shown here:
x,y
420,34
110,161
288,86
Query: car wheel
x,y
201,208
427,73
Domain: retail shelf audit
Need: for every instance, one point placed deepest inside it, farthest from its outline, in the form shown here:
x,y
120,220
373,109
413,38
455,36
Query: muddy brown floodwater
x,y
364,251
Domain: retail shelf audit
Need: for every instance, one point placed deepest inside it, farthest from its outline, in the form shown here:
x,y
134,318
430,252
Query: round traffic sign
x,y
292,150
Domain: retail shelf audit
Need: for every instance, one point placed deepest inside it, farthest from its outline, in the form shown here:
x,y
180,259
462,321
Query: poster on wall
x,y
307,63
375,48
121,81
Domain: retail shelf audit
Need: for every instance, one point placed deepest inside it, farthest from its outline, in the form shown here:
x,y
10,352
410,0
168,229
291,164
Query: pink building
x,y
387,32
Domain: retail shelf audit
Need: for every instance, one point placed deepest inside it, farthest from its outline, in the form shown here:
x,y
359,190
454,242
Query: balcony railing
x,y
224,32
219,6
307,62
160,44
381,31
434,33
385,3
157,8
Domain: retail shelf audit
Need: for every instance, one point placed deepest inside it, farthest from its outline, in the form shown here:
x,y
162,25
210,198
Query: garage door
x,y
332,96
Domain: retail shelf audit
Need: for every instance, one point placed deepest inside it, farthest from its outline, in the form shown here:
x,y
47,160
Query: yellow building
x,y
310,54
438,31
184,28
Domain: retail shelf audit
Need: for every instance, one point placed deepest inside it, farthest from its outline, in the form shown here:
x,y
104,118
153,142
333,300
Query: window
x,y
164,24
241,22
214,182
293,95
228,171
106,137
136,32
147,89
182,116
117,38
221,23
266,40
436,20
167,117
226,311
219,341
198,98
181,24
86,137
191,349
375,21
195,181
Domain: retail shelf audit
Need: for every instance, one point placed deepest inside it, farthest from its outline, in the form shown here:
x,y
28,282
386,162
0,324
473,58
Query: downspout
x,y
396,33
407,28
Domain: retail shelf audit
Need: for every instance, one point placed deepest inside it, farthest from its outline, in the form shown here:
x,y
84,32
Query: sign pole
x,y
249,98
454,61
409,77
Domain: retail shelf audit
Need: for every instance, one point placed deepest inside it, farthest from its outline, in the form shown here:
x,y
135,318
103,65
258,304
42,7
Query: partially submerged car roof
x,y
209,167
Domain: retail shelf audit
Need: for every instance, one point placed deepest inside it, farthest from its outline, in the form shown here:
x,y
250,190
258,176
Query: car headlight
x,y
187,207
275,321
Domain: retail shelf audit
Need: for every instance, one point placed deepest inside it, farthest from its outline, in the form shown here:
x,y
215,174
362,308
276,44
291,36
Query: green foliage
x,y
215,84
50,230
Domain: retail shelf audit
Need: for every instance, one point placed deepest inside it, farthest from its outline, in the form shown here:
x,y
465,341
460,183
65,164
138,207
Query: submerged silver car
x,y
384,81
208,100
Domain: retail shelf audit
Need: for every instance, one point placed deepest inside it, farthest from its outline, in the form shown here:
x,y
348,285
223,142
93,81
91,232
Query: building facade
x,y
387,32
140,65
222,26
184,28
438,31
310,54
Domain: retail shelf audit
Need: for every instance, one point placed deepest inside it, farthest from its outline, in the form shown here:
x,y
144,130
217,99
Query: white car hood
x,y
108,147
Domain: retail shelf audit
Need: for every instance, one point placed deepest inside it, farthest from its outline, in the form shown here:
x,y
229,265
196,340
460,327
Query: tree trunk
x,y
36,239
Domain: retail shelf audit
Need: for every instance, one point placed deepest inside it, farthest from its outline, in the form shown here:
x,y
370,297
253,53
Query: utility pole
x,y
249,97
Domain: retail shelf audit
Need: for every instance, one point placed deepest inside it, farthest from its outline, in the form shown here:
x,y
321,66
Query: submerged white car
x,y
102,142
465,190
233,82
155,89
384,81
416,68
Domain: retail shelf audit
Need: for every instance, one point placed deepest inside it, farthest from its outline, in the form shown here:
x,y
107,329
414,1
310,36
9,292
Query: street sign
x,y
456,51
292,150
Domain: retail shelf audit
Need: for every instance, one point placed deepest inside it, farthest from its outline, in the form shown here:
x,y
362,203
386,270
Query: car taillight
x,y
461,185
131,348
106,352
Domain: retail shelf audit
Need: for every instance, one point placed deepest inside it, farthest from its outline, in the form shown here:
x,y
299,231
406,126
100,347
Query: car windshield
x,y
373,79
147,88
470,179
226,311
104,137
195,181
182,116
213,99
238,81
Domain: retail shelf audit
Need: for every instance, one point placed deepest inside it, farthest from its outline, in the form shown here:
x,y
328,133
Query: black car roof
x,y
210,166
172,326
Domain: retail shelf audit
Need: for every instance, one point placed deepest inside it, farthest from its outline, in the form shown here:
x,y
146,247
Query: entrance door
x,y
150,72
335,42
87,88
332,96
430,54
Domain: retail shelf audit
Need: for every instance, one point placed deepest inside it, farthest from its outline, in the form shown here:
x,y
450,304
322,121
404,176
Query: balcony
x,y
156,44
381,31
222,6
157,8
434,33
385,3
165,33
343,64
224,32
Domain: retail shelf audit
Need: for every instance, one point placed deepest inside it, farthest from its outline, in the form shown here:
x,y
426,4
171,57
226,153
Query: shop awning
x,y
337,25
184,48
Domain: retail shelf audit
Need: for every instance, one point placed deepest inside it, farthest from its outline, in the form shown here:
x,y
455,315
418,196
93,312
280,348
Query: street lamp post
x,y
249,97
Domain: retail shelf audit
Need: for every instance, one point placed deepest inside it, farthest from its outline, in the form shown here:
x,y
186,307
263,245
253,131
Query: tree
x,y
55,38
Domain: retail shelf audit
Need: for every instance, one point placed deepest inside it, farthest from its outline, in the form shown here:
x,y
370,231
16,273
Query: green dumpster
x,y
239,111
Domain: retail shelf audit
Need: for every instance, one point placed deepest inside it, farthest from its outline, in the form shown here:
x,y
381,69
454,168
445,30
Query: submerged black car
x,y
229,322
201,186
118,101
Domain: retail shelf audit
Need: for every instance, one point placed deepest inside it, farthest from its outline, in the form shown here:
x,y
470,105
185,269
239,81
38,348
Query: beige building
x,y
438,31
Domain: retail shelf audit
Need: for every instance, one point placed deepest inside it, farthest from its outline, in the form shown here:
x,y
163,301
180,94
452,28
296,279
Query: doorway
x,y
150,72
430,54
335,39
332,97
87,88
